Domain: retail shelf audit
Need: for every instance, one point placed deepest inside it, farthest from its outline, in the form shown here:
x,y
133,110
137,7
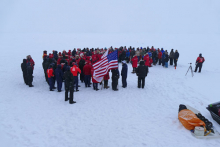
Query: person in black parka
x,y
69,80
124,73
55,55
74,52
29,74
176,56
171,57
24,70
141,72
45,65
81,65
115,77
59,77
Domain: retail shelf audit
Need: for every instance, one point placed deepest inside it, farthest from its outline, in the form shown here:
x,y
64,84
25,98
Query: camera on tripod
x,y
190,68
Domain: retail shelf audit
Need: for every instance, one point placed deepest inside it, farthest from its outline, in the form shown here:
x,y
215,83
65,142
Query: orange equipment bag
x,y
189,119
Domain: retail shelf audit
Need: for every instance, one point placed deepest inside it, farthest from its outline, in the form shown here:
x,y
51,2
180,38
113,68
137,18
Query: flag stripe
x,y
107,63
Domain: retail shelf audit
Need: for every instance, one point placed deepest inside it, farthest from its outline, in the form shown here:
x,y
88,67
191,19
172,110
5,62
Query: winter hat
x,y
123,62
200,55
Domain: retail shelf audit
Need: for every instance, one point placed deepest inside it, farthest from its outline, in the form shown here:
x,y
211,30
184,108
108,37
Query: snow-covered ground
x,y
130,117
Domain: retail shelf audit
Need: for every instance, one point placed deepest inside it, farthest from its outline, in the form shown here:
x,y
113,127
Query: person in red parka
x,y
87,74
134,61
106,77
99,56
59,59
146,60
50,74
95,83
160,57
75,70
199,62
94,57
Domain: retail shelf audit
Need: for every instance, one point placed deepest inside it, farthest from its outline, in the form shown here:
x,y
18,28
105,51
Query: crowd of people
x,y
66,67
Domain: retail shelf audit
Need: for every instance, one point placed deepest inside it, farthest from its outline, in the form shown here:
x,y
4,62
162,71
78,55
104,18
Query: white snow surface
x,y
131,117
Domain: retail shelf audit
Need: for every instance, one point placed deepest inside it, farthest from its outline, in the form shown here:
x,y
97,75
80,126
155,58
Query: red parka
x,y
106,77
94,58
146,60
74,70
87,69
159,55
134,61
200,60
93,80
50,72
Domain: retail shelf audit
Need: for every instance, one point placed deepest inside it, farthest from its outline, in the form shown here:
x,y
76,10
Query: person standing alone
x,y
199,62
176,56
141,72
69,80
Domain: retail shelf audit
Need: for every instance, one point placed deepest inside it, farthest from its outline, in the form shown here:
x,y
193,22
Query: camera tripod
x,y
190,68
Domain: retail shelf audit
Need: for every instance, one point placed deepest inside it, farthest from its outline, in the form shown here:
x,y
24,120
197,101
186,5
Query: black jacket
x,y
176,55
166,59
29,70
142,70
124,70
69,79
74,52
115,74
24,67
81,64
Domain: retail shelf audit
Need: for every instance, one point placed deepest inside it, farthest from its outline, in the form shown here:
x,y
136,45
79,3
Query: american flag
x,y
107,62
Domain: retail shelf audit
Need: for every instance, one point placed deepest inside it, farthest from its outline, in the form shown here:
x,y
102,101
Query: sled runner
x,y
199,126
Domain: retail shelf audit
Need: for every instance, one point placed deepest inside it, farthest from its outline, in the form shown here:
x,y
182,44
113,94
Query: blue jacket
x,y
163,56
124,70
127,54
59,74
